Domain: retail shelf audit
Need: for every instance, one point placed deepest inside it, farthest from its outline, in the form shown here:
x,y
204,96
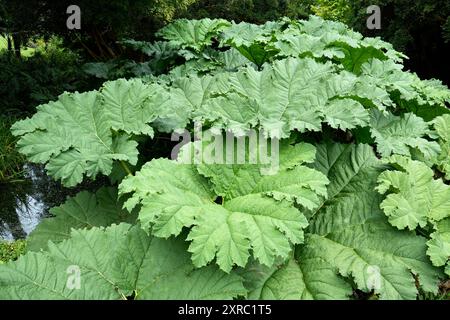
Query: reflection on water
x,y
23,205
20,222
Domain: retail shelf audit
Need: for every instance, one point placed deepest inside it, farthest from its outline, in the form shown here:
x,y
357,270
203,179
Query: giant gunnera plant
x,y
357,201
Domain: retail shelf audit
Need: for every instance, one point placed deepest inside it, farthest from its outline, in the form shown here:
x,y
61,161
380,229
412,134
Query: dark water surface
x,y
24,204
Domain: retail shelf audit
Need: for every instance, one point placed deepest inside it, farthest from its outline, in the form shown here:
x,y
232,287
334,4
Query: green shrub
x,y
338,10
419,28
11,161
10,251
256,11
37,79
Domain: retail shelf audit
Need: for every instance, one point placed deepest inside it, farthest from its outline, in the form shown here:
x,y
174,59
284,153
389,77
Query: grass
x,y
11,161
24,51
3,43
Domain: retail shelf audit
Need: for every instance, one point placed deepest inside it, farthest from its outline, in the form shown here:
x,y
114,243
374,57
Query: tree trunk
x,y
8,37
17,42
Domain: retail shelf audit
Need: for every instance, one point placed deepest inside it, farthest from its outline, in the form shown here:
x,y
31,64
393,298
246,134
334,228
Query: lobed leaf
x,y
413,196
257,211
119,262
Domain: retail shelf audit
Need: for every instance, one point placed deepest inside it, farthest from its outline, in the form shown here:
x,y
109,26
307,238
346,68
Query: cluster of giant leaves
x,y
348,237
414,199
90,238
262,43
302,94
316,38
82,134
298,76
348,244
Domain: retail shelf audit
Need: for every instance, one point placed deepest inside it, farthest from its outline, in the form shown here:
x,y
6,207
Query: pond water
x,y
24,204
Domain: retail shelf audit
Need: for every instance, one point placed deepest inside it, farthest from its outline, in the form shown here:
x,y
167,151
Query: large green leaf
x,y
160,50
119,262
85,210
293,43
439,245
193,34
413,196
256,211
401,135
83,133
129,106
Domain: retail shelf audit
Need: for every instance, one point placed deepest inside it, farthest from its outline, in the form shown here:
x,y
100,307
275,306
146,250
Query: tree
x,y
103,22
18,21
256,11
